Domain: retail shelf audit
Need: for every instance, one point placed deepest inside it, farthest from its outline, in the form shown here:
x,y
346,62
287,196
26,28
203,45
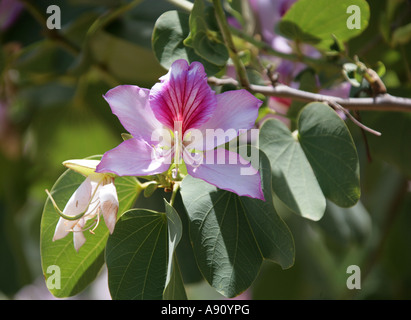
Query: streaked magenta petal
x,y
133,157
131,105
228,176
183,95
236,110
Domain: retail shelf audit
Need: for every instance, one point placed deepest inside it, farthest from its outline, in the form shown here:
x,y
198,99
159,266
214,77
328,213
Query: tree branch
x,y
384,102
222,22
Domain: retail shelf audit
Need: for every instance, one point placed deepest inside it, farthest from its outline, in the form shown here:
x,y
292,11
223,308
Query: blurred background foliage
x,y
52,110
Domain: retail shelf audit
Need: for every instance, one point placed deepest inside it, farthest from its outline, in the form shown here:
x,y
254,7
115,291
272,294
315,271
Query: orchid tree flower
x,y
95,196
181,120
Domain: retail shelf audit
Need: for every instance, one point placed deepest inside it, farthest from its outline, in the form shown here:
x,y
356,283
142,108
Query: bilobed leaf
x,y
170,31
331,152
78,269
232,235
293,179
320,22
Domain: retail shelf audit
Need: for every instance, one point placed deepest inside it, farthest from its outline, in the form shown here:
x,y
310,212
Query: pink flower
x,y
169,124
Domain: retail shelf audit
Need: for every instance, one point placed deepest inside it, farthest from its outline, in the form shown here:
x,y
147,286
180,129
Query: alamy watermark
x,y
197,147
54,18
54,277
354,280
354,20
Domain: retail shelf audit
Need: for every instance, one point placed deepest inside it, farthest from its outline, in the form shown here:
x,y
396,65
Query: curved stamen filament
x,y
78,216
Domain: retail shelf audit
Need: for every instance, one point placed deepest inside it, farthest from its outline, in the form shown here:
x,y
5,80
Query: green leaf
x,y
205,41
331,152
232,235
174,282
293,180
140,256
170,31
78,269
136,256
320,22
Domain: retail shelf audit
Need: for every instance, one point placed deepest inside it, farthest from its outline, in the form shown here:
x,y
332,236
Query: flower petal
x,y
183,95
77,204
109,205
236,110
131,105
78,237
226,170
63,228
133,157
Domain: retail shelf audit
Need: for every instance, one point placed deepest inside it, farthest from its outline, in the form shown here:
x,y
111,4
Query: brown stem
x,y
383,102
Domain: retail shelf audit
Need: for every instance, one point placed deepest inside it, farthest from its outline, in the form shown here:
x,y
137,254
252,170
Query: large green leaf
x,y
232,235
317,21
294,181
136,256
77,269
331,152
170,31
140,256
316,162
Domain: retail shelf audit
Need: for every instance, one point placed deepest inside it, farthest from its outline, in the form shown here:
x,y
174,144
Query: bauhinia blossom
x,y
94,197
170,122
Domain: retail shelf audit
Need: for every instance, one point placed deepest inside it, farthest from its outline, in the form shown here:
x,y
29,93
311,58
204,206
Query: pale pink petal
x,y
78,237
63,228
109,205
183,95
133,157
236,110
77,204
228,171
131,105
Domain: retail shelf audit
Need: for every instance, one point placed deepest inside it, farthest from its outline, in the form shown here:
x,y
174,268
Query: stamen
x,y
76,217
98,221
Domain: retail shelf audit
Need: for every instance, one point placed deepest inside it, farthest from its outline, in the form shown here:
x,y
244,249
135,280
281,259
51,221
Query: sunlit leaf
x,y
320,22
140,256
293,179
331,152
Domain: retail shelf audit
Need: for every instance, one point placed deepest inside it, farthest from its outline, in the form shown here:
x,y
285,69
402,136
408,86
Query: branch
x,y
384,102
222,22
